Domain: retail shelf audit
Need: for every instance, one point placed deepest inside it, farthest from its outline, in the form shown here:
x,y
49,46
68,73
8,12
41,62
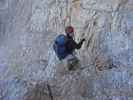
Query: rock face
x,y
28,63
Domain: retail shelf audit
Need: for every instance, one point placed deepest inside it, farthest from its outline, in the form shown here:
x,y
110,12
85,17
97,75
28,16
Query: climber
x,y
65,46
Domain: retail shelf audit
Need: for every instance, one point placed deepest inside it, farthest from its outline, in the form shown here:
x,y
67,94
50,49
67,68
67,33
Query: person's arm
x,y
78,45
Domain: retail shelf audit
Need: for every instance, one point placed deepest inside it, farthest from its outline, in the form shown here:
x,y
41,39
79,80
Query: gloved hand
x,y
83,40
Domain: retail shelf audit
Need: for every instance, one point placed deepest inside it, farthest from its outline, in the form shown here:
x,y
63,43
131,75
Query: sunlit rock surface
x,y
28,63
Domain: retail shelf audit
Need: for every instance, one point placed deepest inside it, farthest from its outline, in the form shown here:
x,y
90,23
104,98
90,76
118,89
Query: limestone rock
x,y
27,31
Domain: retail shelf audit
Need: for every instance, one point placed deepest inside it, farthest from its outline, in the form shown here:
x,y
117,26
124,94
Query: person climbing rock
x,y
65,45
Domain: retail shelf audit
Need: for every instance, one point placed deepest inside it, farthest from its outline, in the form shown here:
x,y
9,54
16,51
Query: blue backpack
x,y
59,46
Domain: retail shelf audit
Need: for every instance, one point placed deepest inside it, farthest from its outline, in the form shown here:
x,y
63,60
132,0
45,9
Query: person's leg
x,y
72,62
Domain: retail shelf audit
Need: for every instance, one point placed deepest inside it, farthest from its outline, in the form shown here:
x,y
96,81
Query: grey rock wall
x,y
27,29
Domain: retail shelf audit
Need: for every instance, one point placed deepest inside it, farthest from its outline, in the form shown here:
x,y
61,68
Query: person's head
x,y
69,31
